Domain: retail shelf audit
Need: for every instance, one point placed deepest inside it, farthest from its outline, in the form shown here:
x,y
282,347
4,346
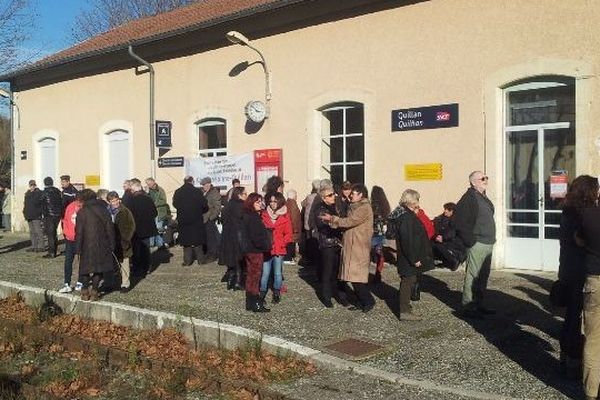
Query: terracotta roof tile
x,y
161,24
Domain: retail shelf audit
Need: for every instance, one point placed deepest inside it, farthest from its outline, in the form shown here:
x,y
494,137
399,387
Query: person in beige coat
x,y
356,244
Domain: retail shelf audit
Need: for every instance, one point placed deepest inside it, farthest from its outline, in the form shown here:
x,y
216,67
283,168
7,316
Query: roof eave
x,y
10,76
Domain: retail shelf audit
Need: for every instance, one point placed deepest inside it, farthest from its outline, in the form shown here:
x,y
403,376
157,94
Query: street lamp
x,y
236,37
9,95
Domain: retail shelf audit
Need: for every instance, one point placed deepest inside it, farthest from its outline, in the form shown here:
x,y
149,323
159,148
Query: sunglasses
x,y
329,195
484,178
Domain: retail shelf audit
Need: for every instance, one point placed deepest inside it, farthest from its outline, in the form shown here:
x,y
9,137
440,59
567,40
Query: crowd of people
x,y
339,231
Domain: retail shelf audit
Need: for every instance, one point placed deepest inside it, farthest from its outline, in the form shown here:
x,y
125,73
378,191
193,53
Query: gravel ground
x,y
514,353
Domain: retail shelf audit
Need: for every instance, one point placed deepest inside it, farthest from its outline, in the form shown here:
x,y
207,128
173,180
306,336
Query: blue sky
x,y
53,25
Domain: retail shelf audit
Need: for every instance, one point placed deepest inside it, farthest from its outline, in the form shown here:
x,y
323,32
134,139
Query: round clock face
x,y
256,111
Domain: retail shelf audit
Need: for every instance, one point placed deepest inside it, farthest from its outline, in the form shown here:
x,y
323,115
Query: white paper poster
x,y
222,170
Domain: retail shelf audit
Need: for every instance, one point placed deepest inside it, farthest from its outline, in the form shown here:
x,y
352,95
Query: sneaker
x,y
78,286
65,289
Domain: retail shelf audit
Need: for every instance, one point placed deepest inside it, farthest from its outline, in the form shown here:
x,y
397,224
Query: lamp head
x,y
237,38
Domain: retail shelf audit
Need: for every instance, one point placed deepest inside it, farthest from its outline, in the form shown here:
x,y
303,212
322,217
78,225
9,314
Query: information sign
x,y
423,172
163,134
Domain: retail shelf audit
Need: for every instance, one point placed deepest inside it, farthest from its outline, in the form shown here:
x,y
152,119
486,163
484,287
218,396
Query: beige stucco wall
x,y
436,52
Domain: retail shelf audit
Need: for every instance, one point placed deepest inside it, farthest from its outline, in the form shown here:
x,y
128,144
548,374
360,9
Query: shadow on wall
x,y
512,331
253,127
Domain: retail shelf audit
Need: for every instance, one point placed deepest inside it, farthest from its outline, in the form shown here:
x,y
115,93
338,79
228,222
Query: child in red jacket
x,y
68,226
277,220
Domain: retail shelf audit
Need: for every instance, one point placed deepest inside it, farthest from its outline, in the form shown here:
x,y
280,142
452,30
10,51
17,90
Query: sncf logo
x,y
442,116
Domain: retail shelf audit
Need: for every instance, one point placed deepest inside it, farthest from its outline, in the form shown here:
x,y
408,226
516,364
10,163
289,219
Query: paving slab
x,y
512,354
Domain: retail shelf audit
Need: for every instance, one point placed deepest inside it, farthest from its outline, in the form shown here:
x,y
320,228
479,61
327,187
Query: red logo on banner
x,y
442,116
268,155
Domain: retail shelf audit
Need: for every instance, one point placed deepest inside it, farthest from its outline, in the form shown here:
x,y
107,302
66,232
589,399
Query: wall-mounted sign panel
x,y
170,162
432,117
163,134
92,180
423,172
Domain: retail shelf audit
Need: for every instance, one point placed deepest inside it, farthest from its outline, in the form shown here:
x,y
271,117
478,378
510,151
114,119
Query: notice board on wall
x,y
423,172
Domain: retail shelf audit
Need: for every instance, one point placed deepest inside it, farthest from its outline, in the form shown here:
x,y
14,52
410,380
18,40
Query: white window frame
x,y
344,135
216,152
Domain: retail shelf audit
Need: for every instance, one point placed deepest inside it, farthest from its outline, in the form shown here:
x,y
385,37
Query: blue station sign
x,y
431,117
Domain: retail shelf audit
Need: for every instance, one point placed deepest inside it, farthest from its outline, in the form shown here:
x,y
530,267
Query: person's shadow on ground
x,y
309,274
137,274
512,331
15,247
387,293
159,257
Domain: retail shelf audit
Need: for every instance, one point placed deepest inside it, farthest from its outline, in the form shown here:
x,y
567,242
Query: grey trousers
x,y
6,222
479,260
36,234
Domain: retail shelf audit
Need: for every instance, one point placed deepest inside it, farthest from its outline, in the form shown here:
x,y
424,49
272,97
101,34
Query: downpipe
x,y
151,122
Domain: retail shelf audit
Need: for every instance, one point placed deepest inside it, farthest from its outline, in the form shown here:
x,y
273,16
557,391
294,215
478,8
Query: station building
x,y
400,94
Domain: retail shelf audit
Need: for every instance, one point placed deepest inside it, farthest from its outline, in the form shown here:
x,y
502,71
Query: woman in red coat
x,y
276,218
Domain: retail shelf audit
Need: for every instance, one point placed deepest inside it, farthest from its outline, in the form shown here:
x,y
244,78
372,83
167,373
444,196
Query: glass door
x,y
532,215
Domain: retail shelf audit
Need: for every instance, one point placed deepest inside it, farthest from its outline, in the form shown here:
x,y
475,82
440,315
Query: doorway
x,y
539,143
117,159
47,159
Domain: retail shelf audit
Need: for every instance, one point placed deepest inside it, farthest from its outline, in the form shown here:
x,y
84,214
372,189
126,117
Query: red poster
x,y
559,181
267,163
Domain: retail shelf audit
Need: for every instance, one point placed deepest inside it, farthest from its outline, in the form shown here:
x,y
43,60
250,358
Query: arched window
x,y
212,137
343,142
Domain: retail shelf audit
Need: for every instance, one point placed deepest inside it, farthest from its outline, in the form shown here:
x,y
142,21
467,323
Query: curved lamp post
x,y
237,38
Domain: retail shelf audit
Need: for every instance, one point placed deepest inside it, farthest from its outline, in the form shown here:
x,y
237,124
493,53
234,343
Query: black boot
x,y
226,275
276,297
249,301
237,272
231,282
258,305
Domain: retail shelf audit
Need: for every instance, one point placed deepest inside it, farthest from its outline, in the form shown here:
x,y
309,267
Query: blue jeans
x,y
158,239
275,263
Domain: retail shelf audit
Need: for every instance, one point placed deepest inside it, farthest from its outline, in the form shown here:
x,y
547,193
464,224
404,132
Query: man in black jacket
x,y
144,212
32,212
191,205
476,227
68,191
52,213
